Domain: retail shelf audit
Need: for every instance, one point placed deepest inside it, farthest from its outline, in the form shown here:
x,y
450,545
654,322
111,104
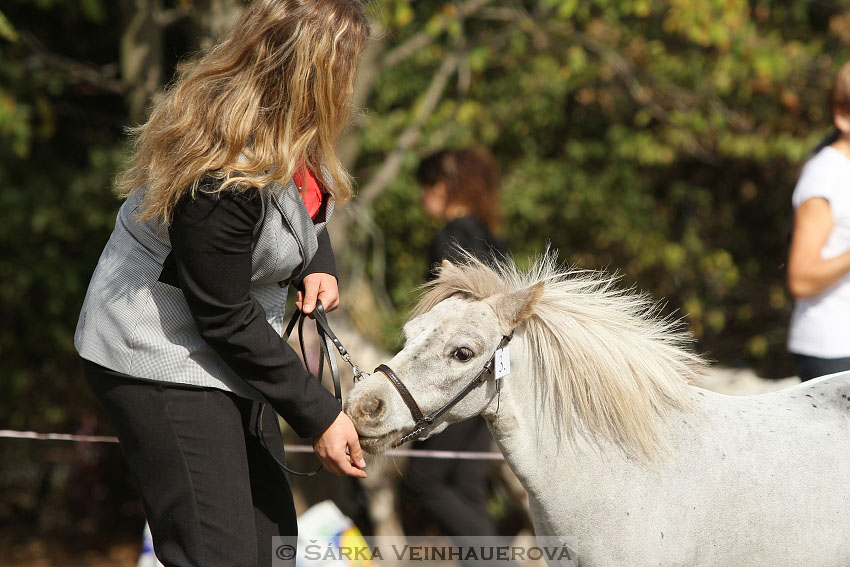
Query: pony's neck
x,y
546,463
557,470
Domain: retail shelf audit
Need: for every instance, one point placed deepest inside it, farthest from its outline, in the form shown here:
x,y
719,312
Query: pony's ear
x,y
515,307
445,266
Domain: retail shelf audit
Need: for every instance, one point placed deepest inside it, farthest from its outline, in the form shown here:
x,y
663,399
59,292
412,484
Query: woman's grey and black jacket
x,y
203,303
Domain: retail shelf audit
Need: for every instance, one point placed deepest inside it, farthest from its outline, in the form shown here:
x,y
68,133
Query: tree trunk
x,y
141,56
214,19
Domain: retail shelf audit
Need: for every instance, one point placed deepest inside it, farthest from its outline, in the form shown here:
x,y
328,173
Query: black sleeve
x,y
443,246
323,262
211,239
458,235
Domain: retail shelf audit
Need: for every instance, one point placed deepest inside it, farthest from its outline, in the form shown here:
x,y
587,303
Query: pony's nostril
x,y
372,407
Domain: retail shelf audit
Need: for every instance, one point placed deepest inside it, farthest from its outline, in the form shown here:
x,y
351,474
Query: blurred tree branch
x,y
408,137
215,18
104,77
141,55
424,38
642,89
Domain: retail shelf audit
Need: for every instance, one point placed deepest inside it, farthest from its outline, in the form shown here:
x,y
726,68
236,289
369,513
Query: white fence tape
x,y
414,453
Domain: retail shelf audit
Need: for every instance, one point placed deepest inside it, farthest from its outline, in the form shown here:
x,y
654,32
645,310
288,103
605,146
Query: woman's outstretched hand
x,y
338,448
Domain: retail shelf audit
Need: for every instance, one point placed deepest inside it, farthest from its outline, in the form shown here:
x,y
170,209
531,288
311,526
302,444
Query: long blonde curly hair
x,y
274,96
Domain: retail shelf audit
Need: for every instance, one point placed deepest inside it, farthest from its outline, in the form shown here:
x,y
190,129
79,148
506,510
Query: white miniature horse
x,y
621,457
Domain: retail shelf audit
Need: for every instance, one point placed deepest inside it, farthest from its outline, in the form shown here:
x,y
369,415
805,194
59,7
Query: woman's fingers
x,y
318,286
339,450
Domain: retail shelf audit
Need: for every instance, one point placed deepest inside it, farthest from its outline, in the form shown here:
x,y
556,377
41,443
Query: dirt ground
x,y
25,550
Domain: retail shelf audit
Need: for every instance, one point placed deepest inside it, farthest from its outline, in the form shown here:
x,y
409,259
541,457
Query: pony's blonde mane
x,y
604,359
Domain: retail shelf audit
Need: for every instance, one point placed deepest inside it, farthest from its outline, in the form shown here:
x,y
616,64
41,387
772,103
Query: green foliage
x,y
54,224
58,152
657,139
7,32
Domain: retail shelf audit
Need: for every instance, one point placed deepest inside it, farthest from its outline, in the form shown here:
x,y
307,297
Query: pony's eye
x,y
463,354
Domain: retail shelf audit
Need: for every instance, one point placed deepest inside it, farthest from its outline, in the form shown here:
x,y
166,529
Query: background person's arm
x,y
808,273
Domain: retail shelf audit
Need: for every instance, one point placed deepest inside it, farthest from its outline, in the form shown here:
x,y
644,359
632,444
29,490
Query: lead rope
x,y
330,338
327,340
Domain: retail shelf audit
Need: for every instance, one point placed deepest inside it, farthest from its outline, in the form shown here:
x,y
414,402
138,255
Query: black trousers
x,y
454,492
212,493
809,367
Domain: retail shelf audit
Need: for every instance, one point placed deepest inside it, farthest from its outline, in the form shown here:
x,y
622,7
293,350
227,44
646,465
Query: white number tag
x,y
503,362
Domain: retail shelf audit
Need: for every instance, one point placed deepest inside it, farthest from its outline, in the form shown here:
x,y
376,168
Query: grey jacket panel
x,y
132,323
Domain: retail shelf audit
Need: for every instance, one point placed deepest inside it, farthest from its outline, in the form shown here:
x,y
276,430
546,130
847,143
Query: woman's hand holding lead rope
x,y
318,286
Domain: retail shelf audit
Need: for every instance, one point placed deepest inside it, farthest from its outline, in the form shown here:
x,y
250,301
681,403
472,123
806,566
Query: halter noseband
x,y
424,422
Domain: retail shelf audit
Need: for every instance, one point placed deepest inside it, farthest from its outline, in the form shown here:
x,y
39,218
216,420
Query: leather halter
x,y
424,422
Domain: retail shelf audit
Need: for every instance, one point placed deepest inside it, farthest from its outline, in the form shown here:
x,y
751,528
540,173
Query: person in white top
x,y
819,258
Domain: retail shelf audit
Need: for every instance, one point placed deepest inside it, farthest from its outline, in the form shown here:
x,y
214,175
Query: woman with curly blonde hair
x,y
233,179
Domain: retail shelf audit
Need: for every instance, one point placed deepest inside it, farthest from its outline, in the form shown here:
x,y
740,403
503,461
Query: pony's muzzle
x,y
368,410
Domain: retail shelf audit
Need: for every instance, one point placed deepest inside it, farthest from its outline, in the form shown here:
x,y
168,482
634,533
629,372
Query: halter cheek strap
x,y
423,423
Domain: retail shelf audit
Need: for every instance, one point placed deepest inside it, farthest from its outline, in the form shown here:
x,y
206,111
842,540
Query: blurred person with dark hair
x,y
819,258
461,189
